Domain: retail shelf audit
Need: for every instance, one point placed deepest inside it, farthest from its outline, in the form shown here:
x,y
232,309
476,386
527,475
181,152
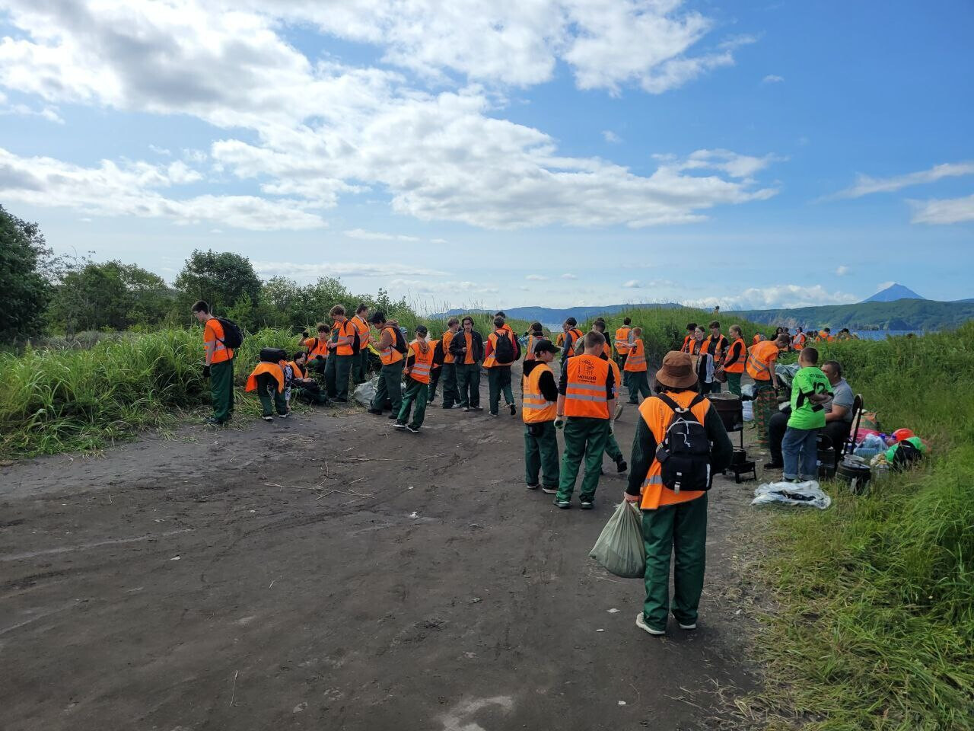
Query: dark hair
x,y
834,365
844,330
599,319
323,328
361,308
377,317
593,339
422,330
201,306
536,327
498,321
691,326
715,324
571,321
627,321
452,321
809,355
465,319
337,310
599,325
827,329
545,345
299,354
500,313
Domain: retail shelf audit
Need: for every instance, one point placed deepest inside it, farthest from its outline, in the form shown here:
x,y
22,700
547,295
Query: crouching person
x,y
269,381
538,411
303,387
419,365
680,443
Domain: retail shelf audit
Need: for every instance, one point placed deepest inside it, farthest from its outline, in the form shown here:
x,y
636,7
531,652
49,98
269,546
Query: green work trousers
x,y
468,382
389,387
734,383
585,437
360,366
541,454
337,371
680,529
416,393
612,449
448,377
221,390
638,385
310,395
499,381
270,397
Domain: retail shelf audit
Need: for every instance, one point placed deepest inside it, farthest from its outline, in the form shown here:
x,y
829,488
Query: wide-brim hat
x,y
677,371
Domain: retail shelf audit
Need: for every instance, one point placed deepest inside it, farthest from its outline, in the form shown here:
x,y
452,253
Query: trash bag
x,y
792,493
365,392
619,548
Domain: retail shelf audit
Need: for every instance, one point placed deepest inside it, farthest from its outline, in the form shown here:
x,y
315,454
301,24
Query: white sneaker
x,y
641,623
688,627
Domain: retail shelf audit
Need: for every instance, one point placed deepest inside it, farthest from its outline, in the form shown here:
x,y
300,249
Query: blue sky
x,y
558,152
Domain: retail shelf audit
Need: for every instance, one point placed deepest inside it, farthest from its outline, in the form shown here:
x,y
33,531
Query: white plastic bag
x,y
792,493
748,409
619,548
365,392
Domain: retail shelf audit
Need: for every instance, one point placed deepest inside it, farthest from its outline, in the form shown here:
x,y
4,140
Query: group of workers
x,y
668,478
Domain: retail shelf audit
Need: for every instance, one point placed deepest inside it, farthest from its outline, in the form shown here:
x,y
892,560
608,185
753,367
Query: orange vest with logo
x,y
390,355
447,339
490,361
657,416
738,365
363,331
213,341
422,365
534,408
585,392
316,347
345,330
760,360
274,369
622,340
636,360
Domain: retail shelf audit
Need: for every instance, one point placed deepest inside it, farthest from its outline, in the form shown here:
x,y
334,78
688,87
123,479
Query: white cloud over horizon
x,y
779,296
866,185
943,212
313,272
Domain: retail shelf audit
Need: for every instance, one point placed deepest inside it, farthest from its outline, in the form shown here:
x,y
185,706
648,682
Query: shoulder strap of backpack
x,y
674,406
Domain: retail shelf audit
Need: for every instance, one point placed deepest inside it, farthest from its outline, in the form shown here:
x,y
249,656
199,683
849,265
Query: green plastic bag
x,y
619,548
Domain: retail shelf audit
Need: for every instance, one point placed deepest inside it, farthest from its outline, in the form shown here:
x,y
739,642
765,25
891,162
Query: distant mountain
x,y
894,292
551,316
903,314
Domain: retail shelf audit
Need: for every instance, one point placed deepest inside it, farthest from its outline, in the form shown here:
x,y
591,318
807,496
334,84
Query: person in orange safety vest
x,y
419,366
538,410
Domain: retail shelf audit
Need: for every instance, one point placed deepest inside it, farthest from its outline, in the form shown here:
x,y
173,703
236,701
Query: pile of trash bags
x,y
792,493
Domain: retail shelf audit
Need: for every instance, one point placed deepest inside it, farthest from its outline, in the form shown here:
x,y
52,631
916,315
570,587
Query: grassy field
x,y
875,624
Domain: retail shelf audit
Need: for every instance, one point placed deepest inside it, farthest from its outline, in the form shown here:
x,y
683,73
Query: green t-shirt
x,y
804,413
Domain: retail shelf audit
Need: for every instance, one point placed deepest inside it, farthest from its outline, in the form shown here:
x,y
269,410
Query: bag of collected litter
x,y
792,493
365,392
619,548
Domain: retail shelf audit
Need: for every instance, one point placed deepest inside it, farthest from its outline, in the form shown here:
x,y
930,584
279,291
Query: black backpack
x,y
906,455
684,455
401,345
232,334
504,348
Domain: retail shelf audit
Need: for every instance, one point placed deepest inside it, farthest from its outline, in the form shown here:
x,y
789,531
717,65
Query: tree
x,y
221,279
24,291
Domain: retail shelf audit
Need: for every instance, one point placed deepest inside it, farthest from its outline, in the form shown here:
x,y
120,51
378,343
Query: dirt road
x,y
327,572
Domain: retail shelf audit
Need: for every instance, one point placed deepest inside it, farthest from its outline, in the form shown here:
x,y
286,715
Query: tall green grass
x,y
875,627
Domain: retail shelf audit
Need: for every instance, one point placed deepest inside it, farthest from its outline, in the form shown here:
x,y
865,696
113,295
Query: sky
x,y
504,153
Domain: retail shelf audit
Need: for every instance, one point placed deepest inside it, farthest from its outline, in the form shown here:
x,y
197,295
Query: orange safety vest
x,y
345,330
560,340
433,344
571,338
657,416
422,365
685,348
274,369
532,341
213,341
447,339
799,340
713,346
760,360
585,392
390,355
738,365
534,408
636,360
622,340
618,377
316,347
298,372
696,348
490,361
364,331
756,339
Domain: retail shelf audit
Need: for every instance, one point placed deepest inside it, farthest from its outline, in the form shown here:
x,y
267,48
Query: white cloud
x,y
422,286
842,270
772,79
312,272
945,211
131,190
362,234
611,137
567,275
866,185
631,284
439,241
317,130
160,151
777,296
22,110
536,278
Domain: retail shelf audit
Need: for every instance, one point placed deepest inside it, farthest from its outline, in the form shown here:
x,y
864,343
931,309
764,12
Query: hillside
x,y
894,292
904,314
549,315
